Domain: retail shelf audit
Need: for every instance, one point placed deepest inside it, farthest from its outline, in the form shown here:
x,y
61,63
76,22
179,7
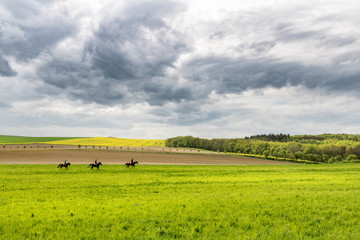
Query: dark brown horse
x,y
65,165
97,165
131,164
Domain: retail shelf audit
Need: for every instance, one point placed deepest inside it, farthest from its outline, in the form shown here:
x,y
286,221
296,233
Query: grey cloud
x,y
289,33
322,37
25,8
225,75
125,60
5,104
217,35
191,113
134,48
79,81
26,41
5,68
36,40
158,95
262,47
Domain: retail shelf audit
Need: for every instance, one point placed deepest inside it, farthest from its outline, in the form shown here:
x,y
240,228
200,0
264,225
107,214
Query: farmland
x,y
103,141
95,141
188,202
5,139
56,156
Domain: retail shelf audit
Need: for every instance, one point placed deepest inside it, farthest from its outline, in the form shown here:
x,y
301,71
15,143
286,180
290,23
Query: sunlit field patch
x,y
108,141
186,202
97,141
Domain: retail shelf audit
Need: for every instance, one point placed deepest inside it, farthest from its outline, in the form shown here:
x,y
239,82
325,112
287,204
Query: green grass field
x,y
5,139
186,202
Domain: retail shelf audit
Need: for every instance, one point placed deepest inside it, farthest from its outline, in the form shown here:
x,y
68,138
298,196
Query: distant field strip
x,y
4,139
96,141
108,141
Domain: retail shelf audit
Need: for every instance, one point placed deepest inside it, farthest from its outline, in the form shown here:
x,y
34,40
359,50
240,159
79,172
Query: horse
x,y
65,165
131,164
97,165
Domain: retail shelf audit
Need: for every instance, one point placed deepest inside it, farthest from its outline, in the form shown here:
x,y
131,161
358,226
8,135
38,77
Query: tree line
x,y
325,148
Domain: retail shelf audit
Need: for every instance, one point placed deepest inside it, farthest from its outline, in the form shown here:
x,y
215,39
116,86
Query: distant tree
x,y
230,146
298,155
352,158
337,159
79,146
325,157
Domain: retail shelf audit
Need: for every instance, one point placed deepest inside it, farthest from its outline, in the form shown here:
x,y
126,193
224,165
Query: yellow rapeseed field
x,y
109,141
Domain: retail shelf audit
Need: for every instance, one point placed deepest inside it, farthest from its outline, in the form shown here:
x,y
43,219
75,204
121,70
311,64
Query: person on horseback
x,y
132,161
95,161
65,162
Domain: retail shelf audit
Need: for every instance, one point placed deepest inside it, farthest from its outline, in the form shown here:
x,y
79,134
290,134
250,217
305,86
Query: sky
x,y
160,69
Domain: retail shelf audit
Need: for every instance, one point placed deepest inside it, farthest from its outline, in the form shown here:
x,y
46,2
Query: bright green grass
x,y
188,202
5,139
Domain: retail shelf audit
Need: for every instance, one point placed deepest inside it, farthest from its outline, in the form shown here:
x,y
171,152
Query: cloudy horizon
x,y
159,69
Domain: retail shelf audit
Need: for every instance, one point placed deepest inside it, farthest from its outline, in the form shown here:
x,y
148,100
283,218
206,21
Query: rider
x,y
95,161
132,161
65,162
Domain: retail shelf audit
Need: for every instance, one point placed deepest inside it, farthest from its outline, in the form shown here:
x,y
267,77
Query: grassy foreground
x,y
188,202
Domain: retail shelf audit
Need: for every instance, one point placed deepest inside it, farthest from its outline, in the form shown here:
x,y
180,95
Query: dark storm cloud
x,y
78,81
136,46
225,75
125,60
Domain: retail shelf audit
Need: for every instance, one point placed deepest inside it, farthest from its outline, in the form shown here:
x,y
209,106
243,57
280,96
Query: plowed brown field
x,y
55,156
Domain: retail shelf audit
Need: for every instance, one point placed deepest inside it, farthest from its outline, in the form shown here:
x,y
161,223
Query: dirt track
x,y
55,156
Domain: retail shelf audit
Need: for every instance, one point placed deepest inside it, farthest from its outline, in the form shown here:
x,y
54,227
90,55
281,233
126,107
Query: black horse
x,y
97,165
131,164
65,165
